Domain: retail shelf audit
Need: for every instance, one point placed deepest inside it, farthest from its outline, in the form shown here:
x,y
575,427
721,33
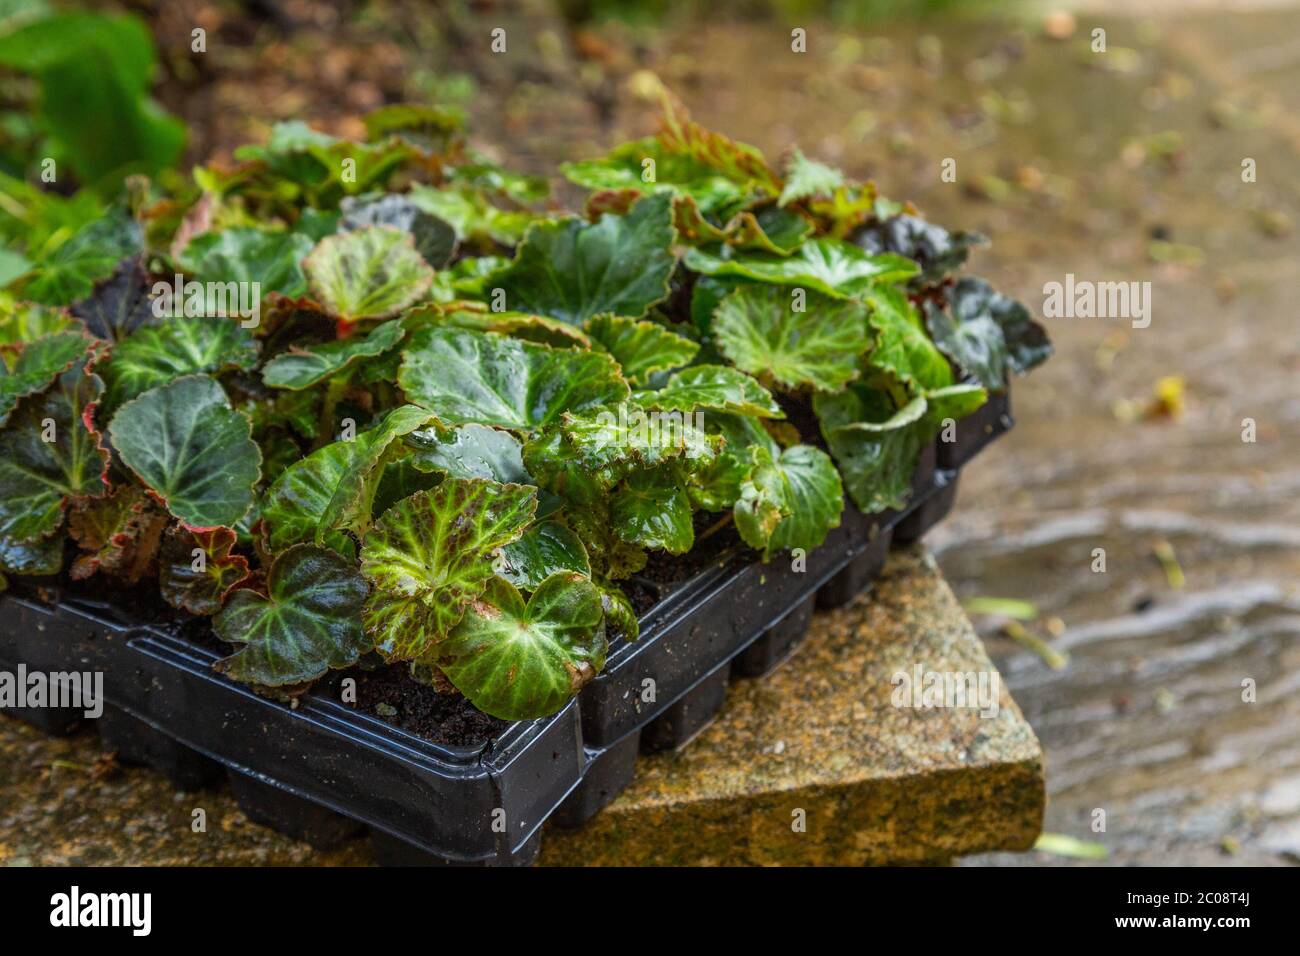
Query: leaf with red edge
x,y
119,533
196,569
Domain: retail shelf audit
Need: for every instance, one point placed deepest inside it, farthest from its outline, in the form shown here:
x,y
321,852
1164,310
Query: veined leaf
x,y
294,505
470,451
583,456
37,365
830,266
519,661
186,444
301,368
757,328
308,622
119,534
806,179
431,554
372,273
351,505
902,346
92,253
544,549
986,333
640,347
715,387
620,616
465,377
789,501
652,509
717,486
38,476
197,570
573,270
435,239
157,354
247,254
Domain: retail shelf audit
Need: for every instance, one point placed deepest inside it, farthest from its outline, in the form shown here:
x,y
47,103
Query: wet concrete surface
x,y
1124,165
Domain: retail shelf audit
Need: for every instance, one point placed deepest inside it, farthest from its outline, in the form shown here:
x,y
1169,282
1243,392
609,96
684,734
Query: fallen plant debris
x,y
372,399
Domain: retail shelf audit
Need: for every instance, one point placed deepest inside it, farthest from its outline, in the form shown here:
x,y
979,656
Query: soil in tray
x,y
392,695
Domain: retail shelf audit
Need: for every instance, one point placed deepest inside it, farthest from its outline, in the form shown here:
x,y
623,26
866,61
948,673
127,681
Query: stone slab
x,y
820,740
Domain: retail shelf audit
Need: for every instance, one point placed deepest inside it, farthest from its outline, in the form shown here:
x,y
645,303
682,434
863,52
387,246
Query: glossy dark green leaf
x,y
573,270
185,443
38,364
937,251
465,377
713,387
652,509
48,455
543,550
248,254
156,354
902,346
308,622
985,333
790,500
301,368
118,305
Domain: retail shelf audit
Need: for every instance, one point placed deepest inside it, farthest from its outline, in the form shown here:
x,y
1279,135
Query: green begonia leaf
x,y
829,266
620,616
791,500
902,346
248,254
308,622
806,179
652,509
351,506
986,333
371,273
544,549
157,354
573,270
38,476
758,330
38,364
431,554
186,444
464,377
520,661
470,451
640,347
714,387
71,270
301,368
296,501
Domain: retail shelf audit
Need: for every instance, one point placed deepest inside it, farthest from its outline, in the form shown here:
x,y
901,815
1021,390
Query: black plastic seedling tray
x,y
322,771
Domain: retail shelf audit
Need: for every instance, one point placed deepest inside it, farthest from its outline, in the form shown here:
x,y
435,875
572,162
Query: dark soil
x,y
392,695
664,573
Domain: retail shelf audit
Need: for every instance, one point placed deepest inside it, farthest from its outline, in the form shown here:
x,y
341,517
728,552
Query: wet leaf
x,y
37,476
520,661
573,270
301,368
465,377
543,550
653,510
431,554
713,387
185,443
38,364
791,500
308,622
197,569
157,354
247,254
